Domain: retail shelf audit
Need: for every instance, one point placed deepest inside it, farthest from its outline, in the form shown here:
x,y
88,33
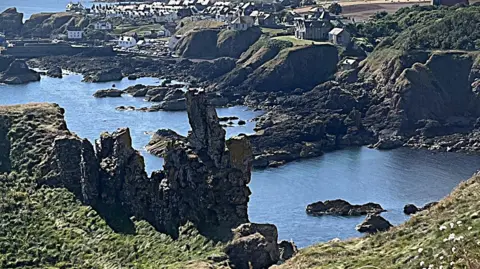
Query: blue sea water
x,y
279,196
29,7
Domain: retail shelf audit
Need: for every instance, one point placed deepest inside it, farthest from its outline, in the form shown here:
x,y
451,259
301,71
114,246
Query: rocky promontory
x,y
204,180
211,43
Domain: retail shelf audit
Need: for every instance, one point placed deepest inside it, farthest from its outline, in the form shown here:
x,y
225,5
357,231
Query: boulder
x,y
55,72
373,223
412,209
254,246
18,73
112,74
138,90
287,250
108,93
160,140
388,143
342,208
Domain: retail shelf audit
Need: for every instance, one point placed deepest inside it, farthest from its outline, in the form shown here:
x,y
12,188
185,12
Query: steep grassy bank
x,y
49,227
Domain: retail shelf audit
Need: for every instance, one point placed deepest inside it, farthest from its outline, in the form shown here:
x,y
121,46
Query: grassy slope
x,y
204,24
419,240
50,228
298,42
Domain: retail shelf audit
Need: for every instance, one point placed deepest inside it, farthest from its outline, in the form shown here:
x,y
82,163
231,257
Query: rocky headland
x,y
204,180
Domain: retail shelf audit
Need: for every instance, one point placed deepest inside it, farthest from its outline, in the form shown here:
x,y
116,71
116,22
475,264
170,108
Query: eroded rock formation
x,y
204,180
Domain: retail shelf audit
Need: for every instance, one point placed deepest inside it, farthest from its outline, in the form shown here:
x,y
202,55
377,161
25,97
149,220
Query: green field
x,y
299,42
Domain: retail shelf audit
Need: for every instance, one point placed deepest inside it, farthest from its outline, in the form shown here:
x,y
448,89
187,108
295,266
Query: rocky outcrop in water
x,y
161,139
112,74
254,246
17,72
108,93
54,72
342,208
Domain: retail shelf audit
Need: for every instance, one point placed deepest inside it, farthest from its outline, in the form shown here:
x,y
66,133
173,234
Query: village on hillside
x,y
155,28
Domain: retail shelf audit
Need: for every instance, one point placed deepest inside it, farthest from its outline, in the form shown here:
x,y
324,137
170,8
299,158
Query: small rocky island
x,y
342,208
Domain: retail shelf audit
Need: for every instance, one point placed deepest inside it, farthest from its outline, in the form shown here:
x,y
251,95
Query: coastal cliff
x,y
212,43
201,195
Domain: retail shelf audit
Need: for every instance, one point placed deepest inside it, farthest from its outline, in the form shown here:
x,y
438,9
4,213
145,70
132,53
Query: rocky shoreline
x,y
367,105
204,180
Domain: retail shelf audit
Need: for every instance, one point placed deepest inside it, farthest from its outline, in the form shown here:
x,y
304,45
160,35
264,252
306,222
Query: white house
x,y
241,23
74,34
339,36
103,25
127,42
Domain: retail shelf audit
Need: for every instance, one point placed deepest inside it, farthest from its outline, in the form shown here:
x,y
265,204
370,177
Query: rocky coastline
x,y
338,113
204,180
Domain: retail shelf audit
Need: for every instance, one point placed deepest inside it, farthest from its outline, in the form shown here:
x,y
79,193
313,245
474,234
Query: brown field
x,y
362,10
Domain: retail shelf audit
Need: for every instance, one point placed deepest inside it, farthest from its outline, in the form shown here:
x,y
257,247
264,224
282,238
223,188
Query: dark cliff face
x,y
438,90
11,21
210,43
203,182
275,69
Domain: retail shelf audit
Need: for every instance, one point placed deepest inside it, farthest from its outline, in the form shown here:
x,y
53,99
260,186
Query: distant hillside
x,y
426,27
213,43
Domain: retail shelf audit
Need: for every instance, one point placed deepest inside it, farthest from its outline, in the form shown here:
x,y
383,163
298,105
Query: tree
x,y
335,8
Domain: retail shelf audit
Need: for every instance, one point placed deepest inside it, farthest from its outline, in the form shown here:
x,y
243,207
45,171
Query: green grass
x,y
196,25
273,31
48,227
298,42
399,247
140,30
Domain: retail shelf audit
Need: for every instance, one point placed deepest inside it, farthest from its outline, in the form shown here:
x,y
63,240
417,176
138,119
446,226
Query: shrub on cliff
x,y
426,27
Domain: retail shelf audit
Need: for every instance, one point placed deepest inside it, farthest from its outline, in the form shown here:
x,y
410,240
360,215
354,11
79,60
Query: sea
x,y
29,7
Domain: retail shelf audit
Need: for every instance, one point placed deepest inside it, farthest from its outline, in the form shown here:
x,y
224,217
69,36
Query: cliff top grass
x,y
299,42
447,235
197,25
